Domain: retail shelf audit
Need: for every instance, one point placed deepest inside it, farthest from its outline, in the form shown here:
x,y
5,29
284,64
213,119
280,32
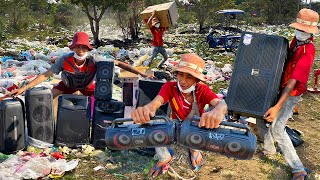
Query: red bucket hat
x,y
307,21
80,38
192,64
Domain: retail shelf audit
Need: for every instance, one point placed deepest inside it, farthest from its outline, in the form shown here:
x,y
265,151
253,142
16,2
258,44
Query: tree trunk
x,y
132,27
96,33
201,26
94,21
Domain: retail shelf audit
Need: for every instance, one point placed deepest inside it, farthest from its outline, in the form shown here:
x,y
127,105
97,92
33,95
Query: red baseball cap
x,y
80,38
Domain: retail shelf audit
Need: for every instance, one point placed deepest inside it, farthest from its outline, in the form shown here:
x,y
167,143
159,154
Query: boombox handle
x,y
224,123
122,120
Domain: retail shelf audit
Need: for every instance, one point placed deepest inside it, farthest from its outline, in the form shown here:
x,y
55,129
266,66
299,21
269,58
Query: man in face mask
x,y
77,69
294,84
157,42
187,97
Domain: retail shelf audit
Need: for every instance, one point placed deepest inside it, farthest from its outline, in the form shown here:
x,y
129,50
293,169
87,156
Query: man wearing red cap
x,y
294,84
78,70
157,42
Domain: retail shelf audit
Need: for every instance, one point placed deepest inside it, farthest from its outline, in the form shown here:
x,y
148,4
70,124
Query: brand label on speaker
x,y
255,72
216,136
138,131
247,39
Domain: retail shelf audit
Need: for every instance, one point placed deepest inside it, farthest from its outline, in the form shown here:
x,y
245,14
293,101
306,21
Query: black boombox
x,y
158,132
230,139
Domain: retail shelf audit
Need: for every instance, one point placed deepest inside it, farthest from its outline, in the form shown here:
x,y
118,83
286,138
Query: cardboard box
x,y
167,13
129,75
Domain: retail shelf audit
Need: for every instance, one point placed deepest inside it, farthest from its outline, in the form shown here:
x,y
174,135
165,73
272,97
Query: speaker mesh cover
x,y
256,77
105,70
39,113
103,90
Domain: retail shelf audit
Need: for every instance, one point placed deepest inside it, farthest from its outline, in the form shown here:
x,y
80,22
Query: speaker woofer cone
x,y
41,113
158,137
195,140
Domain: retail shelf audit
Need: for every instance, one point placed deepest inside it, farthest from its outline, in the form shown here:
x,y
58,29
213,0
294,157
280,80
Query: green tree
x,y
273,11
16,11
127,17
95,9
203,9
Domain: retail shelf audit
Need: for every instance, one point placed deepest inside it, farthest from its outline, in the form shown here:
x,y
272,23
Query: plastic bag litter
x,y
106,48
35,168
7,82
41,56
170,51
61,165
39,144
42,70
144,51
227,68
141,60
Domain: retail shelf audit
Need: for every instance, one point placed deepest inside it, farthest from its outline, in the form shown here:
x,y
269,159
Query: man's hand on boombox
x,y
211,119
142,114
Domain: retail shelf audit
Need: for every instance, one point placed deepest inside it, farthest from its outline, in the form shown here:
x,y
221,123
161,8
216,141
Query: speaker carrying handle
x,y
224,123
122,120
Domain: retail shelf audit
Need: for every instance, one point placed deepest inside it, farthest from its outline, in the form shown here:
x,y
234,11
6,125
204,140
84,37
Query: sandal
x,y
303,175
191,157
161,169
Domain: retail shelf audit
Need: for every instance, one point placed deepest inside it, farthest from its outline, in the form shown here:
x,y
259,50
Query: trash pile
x,y
18,69
37,163
24,60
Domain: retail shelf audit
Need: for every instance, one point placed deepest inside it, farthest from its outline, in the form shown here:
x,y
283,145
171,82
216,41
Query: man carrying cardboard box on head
x,y
157,42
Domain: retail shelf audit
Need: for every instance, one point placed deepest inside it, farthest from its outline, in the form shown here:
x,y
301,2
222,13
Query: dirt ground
x,y
131,165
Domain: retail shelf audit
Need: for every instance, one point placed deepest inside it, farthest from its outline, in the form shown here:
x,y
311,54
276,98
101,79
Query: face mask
x,y
301,36
80,57
189,90
157,25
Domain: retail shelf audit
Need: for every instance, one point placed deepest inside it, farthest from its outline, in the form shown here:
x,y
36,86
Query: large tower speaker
x,y
256,77
103,115
39,113
12,128
104,80
148,90
73,121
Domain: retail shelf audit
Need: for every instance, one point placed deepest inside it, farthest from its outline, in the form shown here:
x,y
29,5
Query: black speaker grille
x,y
257,73
41,113
103,90
43,133
105,70
250,98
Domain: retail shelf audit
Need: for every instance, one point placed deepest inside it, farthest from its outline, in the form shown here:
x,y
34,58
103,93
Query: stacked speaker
x,y
104,80
105,108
